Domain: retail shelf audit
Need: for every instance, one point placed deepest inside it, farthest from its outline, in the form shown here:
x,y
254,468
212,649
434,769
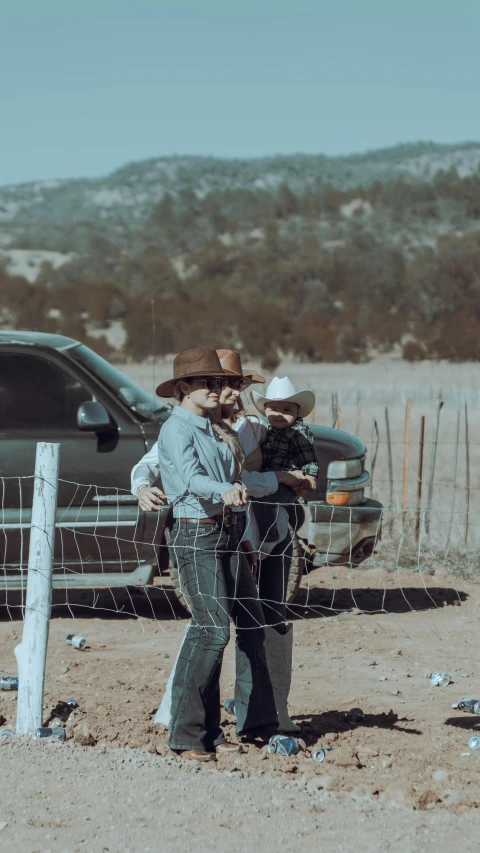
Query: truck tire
x,y
295,574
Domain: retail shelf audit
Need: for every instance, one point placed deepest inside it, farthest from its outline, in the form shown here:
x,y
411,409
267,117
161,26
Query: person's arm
x,y
180,449
144,473
306,455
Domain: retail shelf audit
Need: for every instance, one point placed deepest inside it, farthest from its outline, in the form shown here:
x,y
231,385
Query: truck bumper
x,y
339,535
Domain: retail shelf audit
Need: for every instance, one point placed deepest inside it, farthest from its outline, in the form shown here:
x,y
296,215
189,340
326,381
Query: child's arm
x,y
306,454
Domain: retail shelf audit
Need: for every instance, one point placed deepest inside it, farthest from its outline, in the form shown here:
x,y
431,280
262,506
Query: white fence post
x,y
31,653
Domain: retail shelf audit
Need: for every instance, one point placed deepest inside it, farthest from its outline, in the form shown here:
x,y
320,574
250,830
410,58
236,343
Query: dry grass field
x,y
364,392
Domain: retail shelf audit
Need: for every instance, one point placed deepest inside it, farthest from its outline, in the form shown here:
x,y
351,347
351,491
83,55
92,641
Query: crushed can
x,y
355,715
471,706
6,732
229,705
440,679
319,755
76,642
56,732
73,703
8,682
283,745
474,742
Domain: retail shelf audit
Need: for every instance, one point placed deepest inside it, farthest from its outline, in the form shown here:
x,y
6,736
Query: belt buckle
x,y
230,520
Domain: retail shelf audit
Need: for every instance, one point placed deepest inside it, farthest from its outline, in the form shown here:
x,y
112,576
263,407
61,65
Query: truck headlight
x,y
347,490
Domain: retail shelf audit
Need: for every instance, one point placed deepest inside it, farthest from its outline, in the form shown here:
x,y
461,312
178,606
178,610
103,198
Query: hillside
x,y
60,215
326,259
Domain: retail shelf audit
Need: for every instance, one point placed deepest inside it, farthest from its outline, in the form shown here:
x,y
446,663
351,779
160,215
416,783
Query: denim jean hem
x,y
260,725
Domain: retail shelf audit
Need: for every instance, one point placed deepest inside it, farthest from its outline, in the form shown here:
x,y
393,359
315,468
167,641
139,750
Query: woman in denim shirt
x,y
199,477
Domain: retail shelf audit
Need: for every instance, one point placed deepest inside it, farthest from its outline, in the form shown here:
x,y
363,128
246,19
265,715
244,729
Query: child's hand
x,y
312,482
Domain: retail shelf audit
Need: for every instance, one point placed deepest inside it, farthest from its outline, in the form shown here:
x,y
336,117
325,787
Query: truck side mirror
x,y
92,416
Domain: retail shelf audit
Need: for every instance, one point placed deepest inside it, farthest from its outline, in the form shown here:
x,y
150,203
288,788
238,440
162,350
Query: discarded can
x,y
283,745
8,683
229,705
471,706
74,703
319,755
474,742
440,679
56,732
355,715
6,733
76,642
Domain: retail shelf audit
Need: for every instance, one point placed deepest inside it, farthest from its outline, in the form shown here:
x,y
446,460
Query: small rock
x,y
344,756
64,669
166,655
3,824
440,775
398,792
83,735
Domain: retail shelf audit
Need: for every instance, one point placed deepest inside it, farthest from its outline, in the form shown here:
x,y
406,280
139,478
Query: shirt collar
x,y
196,420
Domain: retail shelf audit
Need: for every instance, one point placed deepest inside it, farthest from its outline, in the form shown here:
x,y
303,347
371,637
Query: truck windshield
x,y
125,389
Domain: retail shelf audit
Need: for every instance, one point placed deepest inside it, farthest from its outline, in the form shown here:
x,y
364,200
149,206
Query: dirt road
x,y
400,781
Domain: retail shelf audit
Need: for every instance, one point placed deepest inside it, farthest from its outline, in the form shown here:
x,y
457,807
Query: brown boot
x,y
195,755
228,748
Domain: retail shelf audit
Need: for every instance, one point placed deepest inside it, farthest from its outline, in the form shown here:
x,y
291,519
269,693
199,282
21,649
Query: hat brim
x,y
165,389
305,400
252,379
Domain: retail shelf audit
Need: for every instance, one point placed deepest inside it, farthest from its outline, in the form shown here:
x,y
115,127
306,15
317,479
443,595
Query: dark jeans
x,y
272,585
266,512
217,581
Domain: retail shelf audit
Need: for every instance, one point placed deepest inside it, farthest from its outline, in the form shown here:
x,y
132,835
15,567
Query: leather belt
x,y
227,520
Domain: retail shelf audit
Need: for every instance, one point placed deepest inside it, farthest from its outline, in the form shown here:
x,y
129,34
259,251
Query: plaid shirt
x,y
290,449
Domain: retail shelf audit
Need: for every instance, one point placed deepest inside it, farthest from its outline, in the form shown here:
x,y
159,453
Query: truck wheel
x,y
295,574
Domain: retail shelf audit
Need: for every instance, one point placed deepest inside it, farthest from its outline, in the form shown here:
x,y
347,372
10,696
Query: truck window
x,y
37,393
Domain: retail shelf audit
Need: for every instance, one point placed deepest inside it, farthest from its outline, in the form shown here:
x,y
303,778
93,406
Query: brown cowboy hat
x,y
231,362
191,363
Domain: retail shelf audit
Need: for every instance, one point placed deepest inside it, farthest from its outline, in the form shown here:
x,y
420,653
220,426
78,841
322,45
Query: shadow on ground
x,y
161,603
315,726
318,603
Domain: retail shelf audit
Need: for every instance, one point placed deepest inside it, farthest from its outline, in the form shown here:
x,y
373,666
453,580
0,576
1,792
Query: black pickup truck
x,y
55,389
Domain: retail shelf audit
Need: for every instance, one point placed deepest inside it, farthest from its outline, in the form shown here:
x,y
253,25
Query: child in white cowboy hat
x,y
288,444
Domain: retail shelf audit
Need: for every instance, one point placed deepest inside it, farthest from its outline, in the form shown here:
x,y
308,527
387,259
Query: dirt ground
x,y
403,780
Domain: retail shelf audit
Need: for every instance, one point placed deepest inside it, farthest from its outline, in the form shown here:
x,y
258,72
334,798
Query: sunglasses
x,y
235,384
213,383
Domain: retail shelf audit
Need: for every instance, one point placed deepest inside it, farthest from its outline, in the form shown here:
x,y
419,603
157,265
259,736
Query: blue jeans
x,y
218,584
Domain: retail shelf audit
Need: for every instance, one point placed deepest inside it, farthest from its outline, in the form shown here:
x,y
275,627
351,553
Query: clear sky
x,y
88,85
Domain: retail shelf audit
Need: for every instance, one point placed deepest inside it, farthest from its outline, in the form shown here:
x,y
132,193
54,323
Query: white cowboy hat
x,y
283,389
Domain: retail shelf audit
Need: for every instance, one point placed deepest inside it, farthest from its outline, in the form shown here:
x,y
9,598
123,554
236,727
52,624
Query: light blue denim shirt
x,y
197,468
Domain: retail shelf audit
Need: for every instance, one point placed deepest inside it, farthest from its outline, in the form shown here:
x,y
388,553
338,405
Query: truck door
x,y
39,400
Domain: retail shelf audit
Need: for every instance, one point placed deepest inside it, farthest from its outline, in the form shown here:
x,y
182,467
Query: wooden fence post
x,y
31,653
406,459
420,476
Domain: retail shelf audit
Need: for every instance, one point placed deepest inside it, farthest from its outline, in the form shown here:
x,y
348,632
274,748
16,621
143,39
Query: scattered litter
x,y
471,706
474,742
355,715
76,642
6,733
62,711
3,824
283,745
56,732
440,679
465,754
8,683
320,755
229,705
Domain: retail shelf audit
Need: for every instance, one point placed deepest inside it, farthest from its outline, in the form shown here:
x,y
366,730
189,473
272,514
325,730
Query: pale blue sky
x,y
88,86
